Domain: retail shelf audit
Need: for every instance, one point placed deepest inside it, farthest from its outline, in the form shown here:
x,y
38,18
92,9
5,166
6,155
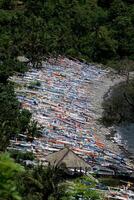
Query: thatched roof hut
x,y
68,157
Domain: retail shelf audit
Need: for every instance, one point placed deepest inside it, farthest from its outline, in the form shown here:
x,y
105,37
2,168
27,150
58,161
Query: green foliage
x,y
8,67
112,182
34,83
9,113
96,30
20,156
82,189
49,183
123,66
13,120
8,183
24,120
41,183
33,129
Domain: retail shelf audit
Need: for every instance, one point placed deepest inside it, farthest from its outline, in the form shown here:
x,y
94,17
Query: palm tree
x,y
41,183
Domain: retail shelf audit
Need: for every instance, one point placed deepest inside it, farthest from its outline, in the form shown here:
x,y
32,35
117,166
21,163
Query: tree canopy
x,y
93,30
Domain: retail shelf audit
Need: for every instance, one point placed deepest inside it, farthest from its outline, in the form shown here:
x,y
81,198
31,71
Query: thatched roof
x,y
68,157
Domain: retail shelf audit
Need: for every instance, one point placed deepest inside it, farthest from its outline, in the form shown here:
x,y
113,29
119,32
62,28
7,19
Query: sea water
x,y
126,136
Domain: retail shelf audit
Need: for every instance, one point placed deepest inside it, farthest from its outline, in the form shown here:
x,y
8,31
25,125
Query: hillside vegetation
x,y
96,30
92,30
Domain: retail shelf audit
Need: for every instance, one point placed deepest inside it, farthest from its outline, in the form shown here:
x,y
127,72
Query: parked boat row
x,y
59,98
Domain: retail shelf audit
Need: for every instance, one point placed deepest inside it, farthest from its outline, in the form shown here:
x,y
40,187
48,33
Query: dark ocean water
x,y
126,136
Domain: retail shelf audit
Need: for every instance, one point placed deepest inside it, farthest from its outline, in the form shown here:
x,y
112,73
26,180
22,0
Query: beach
x,y
67,103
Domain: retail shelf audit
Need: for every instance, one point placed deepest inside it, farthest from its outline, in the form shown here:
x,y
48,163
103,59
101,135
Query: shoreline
x,y
114,135
124,150
108,137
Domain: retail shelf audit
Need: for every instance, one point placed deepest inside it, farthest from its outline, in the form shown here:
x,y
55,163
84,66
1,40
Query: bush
x,y
119,106
20,156
34,84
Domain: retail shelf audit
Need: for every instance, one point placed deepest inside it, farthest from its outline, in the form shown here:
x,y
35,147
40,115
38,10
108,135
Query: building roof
x,y
68,157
